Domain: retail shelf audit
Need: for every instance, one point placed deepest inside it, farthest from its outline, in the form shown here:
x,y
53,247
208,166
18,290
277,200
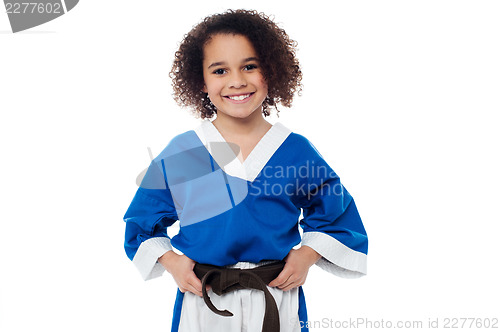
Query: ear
x,y
204,88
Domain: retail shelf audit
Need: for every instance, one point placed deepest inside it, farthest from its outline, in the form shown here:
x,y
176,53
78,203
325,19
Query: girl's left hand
x,y
298,262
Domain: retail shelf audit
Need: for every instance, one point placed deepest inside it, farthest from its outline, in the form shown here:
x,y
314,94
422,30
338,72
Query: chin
x,y
239,115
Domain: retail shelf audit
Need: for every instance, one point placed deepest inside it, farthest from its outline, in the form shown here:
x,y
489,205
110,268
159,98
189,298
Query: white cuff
x,y
146,257
337,258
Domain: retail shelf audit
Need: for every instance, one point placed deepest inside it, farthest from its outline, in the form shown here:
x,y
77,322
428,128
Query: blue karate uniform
x,y
231,211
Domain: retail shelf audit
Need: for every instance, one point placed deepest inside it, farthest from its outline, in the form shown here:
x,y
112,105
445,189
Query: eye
x,y
219,71
250,67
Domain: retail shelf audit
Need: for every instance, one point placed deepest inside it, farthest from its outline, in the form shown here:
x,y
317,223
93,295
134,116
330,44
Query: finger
x,y
194,290
290,286
287,285
294,284
293,281
277,281
281,279
191,278
195,283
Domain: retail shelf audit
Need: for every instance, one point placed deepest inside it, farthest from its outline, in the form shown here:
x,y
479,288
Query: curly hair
x,y
276,52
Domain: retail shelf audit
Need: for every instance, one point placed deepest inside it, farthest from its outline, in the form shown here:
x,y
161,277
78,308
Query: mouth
x,y
240,97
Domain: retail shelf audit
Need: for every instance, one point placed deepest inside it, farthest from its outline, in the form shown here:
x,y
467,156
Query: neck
x,y
240,126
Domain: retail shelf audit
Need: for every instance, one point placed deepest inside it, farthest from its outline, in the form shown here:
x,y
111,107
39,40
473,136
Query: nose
x,y
237,80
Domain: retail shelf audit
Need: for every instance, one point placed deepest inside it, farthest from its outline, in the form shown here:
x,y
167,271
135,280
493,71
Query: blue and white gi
x,y
243,214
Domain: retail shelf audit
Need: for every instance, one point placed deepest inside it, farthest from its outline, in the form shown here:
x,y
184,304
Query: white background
x,y
399,96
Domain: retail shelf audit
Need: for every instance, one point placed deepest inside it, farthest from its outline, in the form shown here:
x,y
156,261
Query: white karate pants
x,y
247,305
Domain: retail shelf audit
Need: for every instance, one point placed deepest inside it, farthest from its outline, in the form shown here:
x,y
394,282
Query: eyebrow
x,y
215,64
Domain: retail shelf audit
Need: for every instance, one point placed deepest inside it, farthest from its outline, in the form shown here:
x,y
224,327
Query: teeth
x,y
239,97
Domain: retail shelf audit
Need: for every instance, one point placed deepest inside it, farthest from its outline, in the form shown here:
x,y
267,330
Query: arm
x,y
149,215
331,223
333,228
334,237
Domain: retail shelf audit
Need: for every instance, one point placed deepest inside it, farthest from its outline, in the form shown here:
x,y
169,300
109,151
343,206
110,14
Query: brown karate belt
x,y
225,280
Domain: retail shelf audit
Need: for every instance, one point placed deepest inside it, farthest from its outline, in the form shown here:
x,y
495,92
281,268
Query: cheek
x,y
264,86
210,87
263,83
205,83
214,90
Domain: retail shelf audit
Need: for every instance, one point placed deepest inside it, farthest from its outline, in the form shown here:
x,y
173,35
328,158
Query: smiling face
x,y
232,75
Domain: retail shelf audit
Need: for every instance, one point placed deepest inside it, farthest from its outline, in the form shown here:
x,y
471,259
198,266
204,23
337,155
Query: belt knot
x,y
229,278
225,280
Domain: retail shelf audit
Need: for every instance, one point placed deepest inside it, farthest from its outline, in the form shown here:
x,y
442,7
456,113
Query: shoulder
x,y
299,139
180,143
293,136
187,137
300,144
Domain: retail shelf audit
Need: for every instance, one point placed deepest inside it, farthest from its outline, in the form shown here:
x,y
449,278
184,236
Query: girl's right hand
x,y
181,269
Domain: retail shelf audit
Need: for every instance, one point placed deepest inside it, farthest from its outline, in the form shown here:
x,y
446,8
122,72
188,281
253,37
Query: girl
x,y
238,185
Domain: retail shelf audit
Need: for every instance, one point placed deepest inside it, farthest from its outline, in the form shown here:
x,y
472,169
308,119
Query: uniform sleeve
x,y
331,222
151,211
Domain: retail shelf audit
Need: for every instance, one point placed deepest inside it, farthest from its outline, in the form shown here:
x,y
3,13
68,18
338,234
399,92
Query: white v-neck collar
x,y
255,161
